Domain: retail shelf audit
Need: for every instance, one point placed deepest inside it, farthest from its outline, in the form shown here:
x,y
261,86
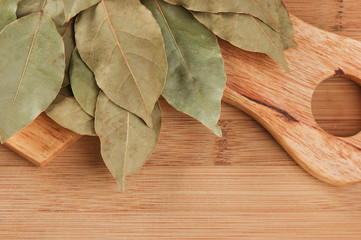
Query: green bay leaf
x,y
7,10
126,142
264,10
245,32
83,84
31,71
122,44
67,112
196,76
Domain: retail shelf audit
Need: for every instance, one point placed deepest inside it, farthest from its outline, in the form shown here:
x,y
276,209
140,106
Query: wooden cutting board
x,y
195,185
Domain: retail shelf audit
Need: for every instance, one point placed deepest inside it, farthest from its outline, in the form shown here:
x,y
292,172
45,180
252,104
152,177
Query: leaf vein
x,y
184,61
126,61
26,63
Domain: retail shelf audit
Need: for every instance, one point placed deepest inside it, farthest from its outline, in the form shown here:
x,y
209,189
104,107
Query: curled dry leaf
x,y
67,112
122,44
31,68
196,76
126,142
246,32
69,43
7,10
264,10
83,84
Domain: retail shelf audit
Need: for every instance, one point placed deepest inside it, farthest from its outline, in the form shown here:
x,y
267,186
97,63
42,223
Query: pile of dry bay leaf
x,y
99,67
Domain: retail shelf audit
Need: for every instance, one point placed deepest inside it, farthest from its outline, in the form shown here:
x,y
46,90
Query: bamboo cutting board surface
x,y
195,185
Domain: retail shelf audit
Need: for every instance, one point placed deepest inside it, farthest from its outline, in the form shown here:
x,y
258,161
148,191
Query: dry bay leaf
x,y
67,112
245,32
286,28
62,29
66,92
31,71
122,44
126,142
61,11
196,76
54,9
73,7
83,84
265,10
7,10
26,7
69,43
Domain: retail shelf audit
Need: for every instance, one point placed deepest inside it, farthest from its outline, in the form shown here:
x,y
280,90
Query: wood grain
x,y
335,106
281,101
195,186
41,141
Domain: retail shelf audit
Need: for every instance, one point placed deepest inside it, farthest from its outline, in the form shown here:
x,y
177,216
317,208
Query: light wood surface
x,y
195,185
41,141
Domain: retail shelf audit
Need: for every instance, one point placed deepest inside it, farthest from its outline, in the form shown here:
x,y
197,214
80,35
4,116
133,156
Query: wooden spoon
x,y
279,100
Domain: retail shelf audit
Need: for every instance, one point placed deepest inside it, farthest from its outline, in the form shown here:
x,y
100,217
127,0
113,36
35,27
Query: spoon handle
x,y
281,101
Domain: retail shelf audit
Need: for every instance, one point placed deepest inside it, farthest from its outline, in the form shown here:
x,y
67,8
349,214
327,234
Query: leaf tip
x,y
217,131
149,121
122,186
121,181
285,66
